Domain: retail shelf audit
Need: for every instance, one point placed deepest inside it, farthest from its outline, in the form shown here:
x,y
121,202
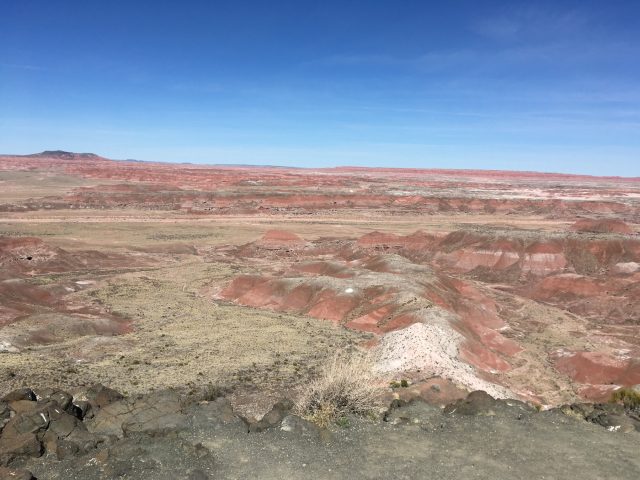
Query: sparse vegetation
x,y
401,384
212,392
346,385
628,397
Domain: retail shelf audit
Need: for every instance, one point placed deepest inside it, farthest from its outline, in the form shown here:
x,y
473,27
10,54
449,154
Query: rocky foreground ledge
x,y
48,434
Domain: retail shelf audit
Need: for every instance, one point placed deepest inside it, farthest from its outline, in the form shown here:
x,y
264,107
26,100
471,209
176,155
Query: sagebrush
x,y
628,397
346,384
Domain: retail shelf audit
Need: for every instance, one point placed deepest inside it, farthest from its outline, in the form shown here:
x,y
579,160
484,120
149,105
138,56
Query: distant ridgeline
x,y
63,154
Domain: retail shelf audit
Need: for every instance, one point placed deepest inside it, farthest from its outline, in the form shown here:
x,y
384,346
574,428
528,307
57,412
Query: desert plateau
x,y
301,240
221,291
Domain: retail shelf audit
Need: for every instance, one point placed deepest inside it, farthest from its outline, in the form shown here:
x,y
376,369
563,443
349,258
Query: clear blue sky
x,y
549,86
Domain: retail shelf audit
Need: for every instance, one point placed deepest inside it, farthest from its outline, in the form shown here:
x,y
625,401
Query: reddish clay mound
x,y
609,225
381,294
280,239
375,239
417,241
35,314
597,368
507,259
292,295
330,269
481,357
29,255
543,258
386,284
604,300
21,254
566,286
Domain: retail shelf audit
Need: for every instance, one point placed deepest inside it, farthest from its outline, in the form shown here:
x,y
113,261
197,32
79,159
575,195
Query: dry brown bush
x,y
347,384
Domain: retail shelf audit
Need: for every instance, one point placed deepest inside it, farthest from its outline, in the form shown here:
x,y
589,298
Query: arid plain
x,y
146,275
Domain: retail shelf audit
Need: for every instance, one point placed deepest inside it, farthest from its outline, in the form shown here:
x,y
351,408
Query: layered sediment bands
x,y
509,268
605,225
37,308
224,190
599,373
543,258
592,276
31,256
383,293
599,368
197,202
383,283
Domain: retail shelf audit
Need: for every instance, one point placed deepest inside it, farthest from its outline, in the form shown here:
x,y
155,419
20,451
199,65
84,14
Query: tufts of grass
x,y
346,385
212,392
628,397
401,384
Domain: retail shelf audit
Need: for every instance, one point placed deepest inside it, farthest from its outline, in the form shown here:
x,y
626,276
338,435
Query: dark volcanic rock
x,y
476,403
154,414
616,423
218,412
272,418
215,444
481,403
70,430
577,410
20,394
31,421
18,445
415,413
63,399
612,416
138,457
44,426
299,426
23,406
100,396
81,409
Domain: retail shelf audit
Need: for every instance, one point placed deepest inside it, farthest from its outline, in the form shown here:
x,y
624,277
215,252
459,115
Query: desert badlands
x,y
190,306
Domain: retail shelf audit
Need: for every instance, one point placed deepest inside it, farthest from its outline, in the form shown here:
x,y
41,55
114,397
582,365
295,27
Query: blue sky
x,y
547,86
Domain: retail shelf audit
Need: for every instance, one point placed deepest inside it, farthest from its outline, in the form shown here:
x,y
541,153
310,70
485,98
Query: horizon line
x,y
49,154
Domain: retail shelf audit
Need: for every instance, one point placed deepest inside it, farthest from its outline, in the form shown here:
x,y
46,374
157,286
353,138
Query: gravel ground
x,y
424,444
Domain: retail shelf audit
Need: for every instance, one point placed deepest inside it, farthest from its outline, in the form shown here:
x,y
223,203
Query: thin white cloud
x,y
20,66
531,22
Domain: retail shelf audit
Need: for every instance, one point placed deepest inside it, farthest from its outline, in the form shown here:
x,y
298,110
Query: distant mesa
x,y
63,154
609,225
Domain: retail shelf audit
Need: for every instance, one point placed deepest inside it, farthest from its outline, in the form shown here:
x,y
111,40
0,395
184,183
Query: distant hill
x,y
63,154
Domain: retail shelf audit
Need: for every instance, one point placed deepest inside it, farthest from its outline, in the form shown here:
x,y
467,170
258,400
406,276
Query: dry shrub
x,y
628,397
347,384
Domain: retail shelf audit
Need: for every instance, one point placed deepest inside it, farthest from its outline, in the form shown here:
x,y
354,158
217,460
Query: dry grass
x,y
628,397
347,384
